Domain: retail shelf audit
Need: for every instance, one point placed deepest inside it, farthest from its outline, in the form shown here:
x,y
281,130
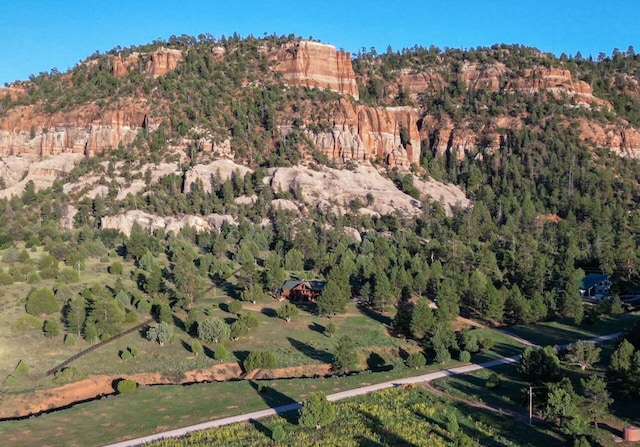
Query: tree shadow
x,y
317,328
179,323
375,315
230,289
186,346
241,356
376,363
261,427
366,442
388,437
224,307
269,312
310,351
283,404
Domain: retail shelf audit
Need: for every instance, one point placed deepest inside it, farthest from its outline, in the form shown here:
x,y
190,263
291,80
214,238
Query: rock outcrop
x,y
343,187
315,64
362,132
157,63
218,170
124,222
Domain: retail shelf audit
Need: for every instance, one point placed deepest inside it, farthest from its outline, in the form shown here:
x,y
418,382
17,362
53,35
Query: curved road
x,y
332,397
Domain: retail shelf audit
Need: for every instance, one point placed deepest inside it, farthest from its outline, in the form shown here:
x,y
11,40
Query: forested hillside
x,y
538,154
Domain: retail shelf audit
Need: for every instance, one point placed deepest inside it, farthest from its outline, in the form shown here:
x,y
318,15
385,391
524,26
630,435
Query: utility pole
x,y
530,404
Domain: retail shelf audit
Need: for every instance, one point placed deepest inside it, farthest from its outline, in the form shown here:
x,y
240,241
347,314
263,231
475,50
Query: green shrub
x,y
330,329
22,369
416,360
41,301
68,375
69,340
33,278
316,411
125,355
125,386
221,354
134,351
486,344
465,356
197,349
27,323
116,268
130,317
250,320
278,433
260,359
10,380
5,279
51,327
235,307
493,381
68,276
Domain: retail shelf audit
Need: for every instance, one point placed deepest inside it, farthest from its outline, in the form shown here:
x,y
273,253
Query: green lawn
x,y
565,331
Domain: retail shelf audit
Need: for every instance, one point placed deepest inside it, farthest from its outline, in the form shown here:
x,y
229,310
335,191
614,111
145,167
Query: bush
x,y
330,329
235,307
278,433
116,268
27,323
10,380
41,301
130,317
68,276
250,320
416,360
196,348
51,327
134,351
493,381
125,355
260,359
69,340
33,278
5,279
68,375
316,411
125,386
486,344
221,354
22,369
213,330
465,356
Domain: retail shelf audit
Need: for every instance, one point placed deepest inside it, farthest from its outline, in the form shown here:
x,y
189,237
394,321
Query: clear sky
x,y
38,35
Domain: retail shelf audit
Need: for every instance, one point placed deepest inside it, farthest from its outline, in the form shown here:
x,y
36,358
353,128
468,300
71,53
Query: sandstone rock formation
x,y
124,222
362,132
315,64
223,168
157,63
342,187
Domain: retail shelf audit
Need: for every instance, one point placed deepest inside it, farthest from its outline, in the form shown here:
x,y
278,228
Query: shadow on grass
x,y
179,323
274,398
388,437
269,312
375,315
230,289
315,327
310,351
376,363
261,427
366,442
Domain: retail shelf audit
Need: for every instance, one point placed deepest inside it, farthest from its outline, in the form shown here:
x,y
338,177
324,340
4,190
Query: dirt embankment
x,y
94,387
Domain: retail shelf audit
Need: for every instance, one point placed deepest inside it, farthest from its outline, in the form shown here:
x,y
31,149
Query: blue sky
x,y
38,35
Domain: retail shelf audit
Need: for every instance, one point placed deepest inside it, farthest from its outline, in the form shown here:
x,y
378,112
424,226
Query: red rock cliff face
x,y
317,65
361,132
158,63
85,130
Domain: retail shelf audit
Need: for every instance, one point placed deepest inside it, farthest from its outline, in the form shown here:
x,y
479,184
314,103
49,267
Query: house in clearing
x,y
302,291
595,286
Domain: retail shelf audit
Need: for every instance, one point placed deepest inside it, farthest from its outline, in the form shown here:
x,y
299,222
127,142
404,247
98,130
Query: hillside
x,y
174,189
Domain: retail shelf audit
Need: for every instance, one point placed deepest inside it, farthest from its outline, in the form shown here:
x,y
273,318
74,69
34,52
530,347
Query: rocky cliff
x,y
360,132
315,64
